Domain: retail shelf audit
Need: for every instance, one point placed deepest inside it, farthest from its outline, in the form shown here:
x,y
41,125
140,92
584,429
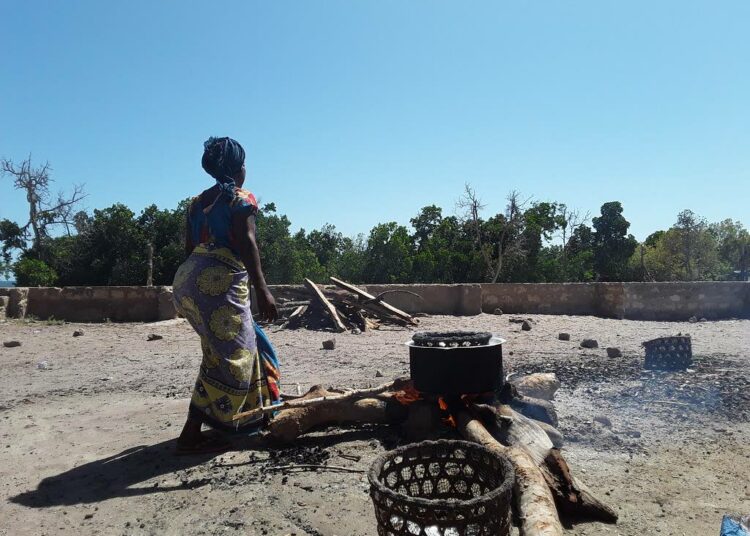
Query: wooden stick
x,y
307,402
533,498
327,306
299,311
366,296
372,308
336,468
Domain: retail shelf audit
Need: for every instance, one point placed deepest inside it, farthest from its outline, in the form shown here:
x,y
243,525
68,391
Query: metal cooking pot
x,y
457,370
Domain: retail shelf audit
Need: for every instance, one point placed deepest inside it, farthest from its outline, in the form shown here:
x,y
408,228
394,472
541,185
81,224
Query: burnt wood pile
x,y
344,308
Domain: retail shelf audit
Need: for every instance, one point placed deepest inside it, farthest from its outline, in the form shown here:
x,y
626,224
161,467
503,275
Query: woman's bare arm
x,y
243,230
189,246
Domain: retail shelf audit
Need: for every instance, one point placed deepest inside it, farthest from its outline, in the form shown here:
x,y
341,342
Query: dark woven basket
x,y
669,353
442,488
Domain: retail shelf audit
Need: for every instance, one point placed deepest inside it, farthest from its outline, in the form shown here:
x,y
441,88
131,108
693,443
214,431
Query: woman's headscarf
x,y
223,159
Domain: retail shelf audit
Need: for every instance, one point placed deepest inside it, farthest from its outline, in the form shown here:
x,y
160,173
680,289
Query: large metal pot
x,y
457,370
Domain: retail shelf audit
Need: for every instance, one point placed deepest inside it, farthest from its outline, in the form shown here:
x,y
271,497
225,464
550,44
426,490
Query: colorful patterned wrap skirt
x,y
240,370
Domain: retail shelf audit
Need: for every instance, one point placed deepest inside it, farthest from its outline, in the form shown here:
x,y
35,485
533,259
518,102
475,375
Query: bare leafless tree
x,y
509,243
571,219
45,209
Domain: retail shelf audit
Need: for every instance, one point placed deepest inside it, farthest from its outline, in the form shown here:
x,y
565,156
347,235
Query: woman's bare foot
x,y
193,441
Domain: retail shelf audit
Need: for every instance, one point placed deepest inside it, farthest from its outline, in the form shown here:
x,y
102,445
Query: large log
x,y
572,497
534,408
308,400
533,499
290,424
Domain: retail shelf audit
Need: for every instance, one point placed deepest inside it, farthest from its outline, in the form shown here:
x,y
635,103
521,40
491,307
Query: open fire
x,y
457,385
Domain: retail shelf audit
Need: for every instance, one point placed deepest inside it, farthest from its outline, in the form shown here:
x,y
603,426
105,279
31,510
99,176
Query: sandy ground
x,y
86,437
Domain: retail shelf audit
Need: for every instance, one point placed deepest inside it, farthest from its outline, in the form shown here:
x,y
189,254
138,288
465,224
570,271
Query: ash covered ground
x,y
88,423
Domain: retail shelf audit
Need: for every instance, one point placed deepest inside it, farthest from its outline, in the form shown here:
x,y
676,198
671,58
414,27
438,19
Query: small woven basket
x,y
668,353
442,488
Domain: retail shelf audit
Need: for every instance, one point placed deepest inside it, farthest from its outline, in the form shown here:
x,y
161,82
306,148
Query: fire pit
x,y
456,363
442,488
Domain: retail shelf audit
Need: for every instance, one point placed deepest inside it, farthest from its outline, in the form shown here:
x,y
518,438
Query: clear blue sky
x,y
358,112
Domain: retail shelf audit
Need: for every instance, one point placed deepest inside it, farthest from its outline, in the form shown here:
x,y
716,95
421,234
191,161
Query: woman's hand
x,y
266,305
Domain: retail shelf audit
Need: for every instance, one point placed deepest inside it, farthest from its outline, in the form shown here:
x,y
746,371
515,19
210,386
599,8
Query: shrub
x,y
34,273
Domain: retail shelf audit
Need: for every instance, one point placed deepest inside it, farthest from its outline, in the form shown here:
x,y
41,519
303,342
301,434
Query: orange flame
x,y
408,395
449,420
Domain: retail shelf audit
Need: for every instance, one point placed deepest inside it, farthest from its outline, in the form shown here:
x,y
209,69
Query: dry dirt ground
x,y
87,427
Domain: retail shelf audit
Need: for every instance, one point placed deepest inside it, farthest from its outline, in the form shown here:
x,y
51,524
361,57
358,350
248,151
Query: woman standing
x,y
239,371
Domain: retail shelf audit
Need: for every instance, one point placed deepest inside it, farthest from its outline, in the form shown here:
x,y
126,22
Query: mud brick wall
x,y
680,301
92,304
639,301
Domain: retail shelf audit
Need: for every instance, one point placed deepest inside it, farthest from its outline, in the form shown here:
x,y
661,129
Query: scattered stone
x,y
78,333
11,344
329,344
526,325
497,311
563,336
43,365
693,319
356,331
703,319
603,420
632,433
516,320
589,343
614,352
88,516
154,337
378,374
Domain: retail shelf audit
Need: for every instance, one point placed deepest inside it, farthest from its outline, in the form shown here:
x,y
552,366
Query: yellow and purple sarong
x,y
240,370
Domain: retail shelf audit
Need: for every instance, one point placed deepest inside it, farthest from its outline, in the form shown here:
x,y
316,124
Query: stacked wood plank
x,y
344,308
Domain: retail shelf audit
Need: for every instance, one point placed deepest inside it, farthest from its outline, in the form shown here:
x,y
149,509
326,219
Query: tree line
x,y
528,241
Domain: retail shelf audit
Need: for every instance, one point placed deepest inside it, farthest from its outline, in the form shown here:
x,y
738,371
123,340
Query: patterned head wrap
x,y
222,159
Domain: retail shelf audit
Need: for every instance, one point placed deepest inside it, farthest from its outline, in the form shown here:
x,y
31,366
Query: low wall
x,y
680,301
460,300
639,301
92,304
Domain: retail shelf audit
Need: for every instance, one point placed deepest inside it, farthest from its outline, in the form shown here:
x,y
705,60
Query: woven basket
x,y
668,353
442,488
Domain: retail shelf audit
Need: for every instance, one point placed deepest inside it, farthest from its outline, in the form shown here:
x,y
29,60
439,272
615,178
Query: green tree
x,y
165,231
389,254
613,246
111,250
349,265
424,225
733,246
326,244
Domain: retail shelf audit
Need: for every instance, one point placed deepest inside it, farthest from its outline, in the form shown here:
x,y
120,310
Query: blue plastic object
x,y
732,527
